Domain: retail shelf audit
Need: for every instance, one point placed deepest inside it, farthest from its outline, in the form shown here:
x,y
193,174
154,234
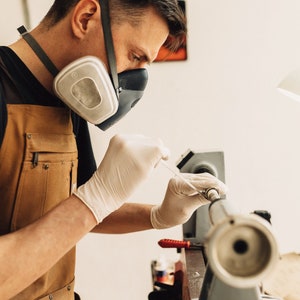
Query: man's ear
x,y
85,14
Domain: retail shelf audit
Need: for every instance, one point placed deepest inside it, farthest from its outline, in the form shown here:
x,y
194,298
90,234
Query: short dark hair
x,y
132,10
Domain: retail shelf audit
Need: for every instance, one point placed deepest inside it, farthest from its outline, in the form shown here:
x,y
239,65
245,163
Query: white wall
x,y
223,98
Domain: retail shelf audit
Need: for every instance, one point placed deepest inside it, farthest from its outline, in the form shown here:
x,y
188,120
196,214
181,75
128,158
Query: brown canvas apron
x,y
38,169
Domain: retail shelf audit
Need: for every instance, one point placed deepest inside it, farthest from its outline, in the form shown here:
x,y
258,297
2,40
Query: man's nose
x,y
140,65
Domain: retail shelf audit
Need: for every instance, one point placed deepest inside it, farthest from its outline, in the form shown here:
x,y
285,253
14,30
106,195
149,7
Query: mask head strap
x,y
109,46
38,50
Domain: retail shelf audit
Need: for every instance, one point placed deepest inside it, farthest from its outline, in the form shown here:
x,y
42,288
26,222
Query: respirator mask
x,y
85,85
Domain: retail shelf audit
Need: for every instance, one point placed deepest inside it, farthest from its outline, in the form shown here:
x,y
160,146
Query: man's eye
x,y
136,57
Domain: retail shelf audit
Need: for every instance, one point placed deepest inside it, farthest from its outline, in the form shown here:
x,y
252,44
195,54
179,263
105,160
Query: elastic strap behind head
x,y
38,50
109,46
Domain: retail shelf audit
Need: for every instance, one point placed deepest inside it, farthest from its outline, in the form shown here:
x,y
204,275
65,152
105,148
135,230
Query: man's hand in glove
x,y
181,200
127,163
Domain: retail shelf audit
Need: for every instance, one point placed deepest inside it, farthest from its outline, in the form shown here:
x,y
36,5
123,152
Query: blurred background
x,y
222,98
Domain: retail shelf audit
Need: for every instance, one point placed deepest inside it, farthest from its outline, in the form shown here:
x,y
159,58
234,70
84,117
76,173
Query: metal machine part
x,y
196,228
215,289
240,250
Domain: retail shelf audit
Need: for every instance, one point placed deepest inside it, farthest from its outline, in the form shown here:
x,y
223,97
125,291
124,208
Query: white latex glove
x,y
181,200
127,163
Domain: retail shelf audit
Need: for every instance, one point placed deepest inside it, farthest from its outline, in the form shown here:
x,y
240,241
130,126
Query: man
x,y
42,216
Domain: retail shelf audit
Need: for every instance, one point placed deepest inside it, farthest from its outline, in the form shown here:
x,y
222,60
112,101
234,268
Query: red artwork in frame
x,y
181,54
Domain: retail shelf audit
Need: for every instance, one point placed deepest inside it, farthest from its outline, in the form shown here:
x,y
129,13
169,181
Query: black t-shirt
x,y
30,91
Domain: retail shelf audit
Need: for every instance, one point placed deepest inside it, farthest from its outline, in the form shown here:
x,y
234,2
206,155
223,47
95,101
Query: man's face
x,y
137,46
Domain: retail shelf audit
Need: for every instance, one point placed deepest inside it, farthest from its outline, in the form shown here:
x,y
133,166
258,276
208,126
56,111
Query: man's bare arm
x,y
28,253
130,217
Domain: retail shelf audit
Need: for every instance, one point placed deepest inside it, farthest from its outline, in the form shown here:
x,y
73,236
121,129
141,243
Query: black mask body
x,y
132,85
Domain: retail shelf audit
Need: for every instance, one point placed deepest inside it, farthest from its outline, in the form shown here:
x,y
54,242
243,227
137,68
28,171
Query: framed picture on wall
x,y
181,54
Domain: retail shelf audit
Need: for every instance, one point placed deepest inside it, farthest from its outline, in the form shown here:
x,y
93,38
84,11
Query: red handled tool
x,y
168,243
